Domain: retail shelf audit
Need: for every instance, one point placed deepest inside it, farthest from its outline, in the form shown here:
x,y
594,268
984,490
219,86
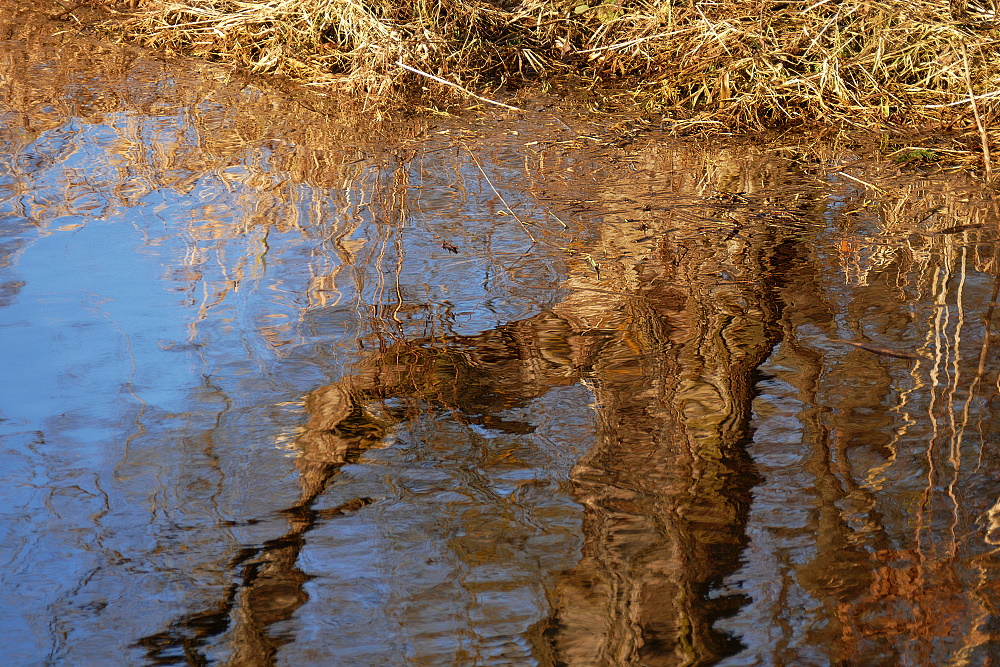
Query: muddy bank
x,y
914,69
733,62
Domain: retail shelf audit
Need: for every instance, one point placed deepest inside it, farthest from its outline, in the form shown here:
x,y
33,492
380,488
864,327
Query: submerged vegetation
x,y
722,65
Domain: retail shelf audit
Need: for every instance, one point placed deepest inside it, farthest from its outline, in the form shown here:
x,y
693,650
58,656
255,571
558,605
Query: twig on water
x,y
508,207
865,183
455,85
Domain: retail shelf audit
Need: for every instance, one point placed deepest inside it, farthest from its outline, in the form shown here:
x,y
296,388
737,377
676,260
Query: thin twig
x,y
500,196
865,183
622,45
984,96
455,85
69,11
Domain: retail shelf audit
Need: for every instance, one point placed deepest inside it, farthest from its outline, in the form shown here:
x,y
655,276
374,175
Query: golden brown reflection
x,y
756,490
666,486
887,461
677,336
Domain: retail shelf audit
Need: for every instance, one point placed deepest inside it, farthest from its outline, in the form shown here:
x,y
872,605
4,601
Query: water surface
x,y
281,390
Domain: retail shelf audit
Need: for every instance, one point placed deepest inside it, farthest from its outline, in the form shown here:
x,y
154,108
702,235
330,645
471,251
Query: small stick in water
x,y
875,349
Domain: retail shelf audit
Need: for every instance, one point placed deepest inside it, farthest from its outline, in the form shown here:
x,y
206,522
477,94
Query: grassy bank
x,y
731,63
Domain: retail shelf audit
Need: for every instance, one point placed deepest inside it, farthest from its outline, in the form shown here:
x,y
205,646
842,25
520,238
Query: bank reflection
x,y
663,479
867,522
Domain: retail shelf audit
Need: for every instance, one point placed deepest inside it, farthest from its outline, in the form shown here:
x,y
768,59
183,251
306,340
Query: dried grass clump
x,y
735,63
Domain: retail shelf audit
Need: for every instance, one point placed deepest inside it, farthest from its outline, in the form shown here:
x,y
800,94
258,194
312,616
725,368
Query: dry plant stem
x,y
864,183
621,45
984,96
983,137
455,85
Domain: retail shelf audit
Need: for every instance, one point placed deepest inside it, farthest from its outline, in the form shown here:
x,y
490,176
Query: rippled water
x,y
284,391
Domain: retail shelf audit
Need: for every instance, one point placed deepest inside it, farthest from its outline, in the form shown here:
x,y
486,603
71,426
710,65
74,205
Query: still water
x,y
280,390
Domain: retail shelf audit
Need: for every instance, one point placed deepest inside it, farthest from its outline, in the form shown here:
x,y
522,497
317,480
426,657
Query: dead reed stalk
x,y
983,136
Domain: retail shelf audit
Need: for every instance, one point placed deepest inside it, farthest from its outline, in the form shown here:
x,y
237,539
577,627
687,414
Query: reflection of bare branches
x,y
923,591
911,222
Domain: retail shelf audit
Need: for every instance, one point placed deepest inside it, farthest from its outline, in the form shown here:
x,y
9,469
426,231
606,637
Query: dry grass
x,y
730,63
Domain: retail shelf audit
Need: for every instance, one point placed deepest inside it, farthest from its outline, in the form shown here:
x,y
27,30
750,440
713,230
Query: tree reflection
x,y
665,488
